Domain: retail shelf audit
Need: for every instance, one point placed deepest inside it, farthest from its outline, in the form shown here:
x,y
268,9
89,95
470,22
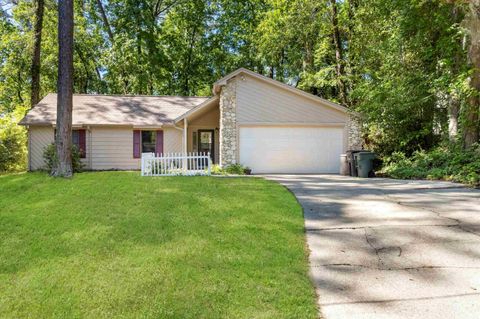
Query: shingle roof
x,y
114,110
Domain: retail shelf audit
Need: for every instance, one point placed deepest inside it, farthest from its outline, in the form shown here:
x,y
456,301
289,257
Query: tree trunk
x,y
453,113
37,44
471,124
63,167
453,99
339,68
105,20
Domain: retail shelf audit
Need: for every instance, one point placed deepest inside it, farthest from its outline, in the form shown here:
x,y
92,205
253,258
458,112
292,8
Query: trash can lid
x,y
365,154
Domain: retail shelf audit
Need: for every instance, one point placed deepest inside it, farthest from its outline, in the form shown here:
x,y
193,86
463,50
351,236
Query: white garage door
x,y
291,149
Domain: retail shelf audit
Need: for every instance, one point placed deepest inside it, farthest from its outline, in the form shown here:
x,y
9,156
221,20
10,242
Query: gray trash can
x,y
344,167
351,162
364,163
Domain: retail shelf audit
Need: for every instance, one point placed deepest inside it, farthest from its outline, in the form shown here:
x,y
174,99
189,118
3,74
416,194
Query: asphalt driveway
x,y
382,248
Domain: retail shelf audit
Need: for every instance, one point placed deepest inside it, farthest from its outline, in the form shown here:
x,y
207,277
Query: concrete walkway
x,y
382,248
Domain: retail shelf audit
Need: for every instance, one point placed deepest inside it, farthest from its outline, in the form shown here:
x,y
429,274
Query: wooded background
x,y
410,67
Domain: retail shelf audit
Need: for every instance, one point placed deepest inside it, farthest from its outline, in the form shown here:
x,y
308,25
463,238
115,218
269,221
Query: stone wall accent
x,y
354,131
228,124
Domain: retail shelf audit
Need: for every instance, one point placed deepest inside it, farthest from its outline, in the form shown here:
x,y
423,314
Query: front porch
x,y
201,129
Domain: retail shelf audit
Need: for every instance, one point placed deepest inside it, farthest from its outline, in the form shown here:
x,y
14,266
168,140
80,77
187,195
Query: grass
x,y
114,244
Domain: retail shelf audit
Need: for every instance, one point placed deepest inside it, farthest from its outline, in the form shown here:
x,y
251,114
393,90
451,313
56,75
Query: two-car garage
x,y
281,129
291,149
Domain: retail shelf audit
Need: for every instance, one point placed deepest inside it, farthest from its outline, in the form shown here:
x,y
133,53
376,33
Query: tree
x,y
63,141
472,109
35,69
337,41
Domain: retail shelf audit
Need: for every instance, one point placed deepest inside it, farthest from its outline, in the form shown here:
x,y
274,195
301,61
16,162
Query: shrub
x,y
218,170
50,156
235,169
13,145
444,162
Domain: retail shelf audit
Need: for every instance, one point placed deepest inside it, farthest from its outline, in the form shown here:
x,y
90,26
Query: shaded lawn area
x,y
114,244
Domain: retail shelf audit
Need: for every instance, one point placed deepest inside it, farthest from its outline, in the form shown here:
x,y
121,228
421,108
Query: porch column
x,y
185,135
228,124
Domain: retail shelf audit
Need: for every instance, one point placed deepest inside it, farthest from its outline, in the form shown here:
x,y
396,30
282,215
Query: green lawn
x,y
114,244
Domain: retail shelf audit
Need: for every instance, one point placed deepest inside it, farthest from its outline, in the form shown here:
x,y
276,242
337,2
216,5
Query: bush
x,y
13,145
444,162
234,169
50,156
218,170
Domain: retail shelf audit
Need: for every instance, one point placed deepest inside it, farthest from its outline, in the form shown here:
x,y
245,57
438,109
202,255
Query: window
x,y
78,139
149,141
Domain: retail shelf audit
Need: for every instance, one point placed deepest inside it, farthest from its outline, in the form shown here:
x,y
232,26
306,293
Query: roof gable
x,y
223,81
261,102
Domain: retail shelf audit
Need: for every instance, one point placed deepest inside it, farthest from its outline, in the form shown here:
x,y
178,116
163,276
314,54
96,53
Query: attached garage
x,y
291,149
272,127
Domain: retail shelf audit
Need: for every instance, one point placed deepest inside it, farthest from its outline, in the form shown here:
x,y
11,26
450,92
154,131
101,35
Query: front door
x,y
206,142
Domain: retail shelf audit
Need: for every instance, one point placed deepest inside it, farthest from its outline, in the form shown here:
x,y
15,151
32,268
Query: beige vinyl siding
x,y
172,140
40,137
262,102
112,148
107,147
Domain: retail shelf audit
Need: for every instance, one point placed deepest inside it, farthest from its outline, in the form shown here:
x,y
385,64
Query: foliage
x,y
233,169
404,63
236,169
444,162
13,142
50,157
114,244
218,170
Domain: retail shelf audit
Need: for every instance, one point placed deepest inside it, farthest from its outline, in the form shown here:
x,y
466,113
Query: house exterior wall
x,y
39,138
172,140
107,147
353,133
246,100
112,148
262,102
228,124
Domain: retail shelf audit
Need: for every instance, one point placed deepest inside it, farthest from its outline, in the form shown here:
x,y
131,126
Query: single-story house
x,y
253,120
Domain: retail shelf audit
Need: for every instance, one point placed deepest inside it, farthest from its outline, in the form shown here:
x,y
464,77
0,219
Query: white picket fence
x,y
173,164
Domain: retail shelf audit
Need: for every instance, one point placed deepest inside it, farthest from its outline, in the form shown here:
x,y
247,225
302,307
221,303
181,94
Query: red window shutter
x,y
82,143
136,144
159,146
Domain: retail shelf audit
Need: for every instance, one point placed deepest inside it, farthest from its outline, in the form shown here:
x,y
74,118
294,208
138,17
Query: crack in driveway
x,y
369,247
458,222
